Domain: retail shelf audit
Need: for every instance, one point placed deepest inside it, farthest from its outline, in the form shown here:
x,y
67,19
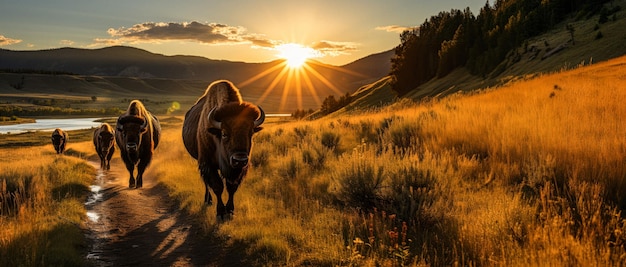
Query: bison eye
x,y
224,135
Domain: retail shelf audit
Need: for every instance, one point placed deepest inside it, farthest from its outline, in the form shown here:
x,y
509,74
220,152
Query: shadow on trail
x,y
144,227
174,240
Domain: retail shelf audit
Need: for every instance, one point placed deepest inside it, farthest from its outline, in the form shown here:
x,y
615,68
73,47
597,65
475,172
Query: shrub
x,y
260,158
314,156
301,132
599,35
330,140
290,168
402,135
360,182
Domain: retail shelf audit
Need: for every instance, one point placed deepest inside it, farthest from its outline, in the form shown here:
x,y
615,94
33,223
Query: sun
x,y
298,76
295,55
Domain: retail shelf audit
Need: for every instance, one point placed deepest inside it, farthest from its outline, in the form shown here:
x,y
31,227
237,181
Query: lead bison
x,y
59,139
103,138
218,132
137,135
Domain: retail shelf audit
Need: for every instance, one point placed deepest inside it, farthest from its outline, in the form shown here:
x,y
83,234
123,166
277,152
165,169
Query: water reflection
x,y
93,216
50,125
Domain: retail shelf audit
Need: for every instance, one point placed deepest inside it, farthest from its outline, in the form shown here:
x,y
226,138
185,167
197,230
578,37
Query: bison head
x,y
105,140
234,124
57,140
131,129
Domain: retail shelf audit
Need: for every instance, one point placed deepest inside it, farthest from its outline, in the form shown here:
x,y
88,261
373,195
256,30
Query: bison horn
x,y
261,118
145,123
214,123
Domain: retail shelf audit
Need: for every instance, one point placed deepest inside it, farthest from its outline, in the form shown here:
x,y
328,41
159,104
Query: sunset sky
x,y
340,31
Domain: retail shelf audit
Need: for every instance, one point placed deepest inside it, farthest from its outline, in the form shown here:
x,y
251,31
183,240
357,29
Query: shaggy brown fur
x,y
103,138
59,140
223,152
137,135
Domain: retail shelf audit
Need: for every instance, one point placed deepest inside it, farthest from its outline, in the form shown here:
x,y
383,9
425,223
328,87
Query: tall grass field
x,y
529,174
532,173
42,197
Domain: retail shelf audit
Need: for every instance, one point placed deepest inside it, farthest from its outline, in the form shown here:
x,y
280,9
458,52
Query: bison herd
x,y
217,132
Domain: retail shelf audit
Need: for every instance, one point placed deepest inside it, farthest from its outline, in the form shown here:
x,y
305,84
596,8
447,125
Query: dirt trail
x,y
141,227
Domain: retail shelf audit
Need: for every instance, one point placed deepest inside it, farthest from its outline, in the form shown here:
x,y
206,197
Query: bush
x,y
330,140
260,158
402,135
360,184
315,157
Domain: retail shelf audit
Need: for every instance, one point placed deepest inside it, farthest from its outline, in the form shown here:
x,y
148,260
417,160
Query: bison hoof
x,y
225,217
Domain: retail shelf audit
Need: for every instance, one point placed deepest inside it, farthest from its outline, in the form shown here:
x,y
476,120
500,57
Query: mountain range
x,y
127,70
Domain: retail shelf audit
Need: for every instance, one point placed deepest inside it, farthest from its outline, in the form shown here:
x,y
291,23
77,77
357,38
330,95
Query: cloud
x,y
395,28
259,41
207,33
106,42
66,42
332,48
8,41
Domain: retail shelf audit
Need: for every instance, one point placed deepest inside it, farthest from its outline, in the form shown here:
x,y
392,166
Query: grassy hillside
x,y
376,94
586,49
525,60
529,174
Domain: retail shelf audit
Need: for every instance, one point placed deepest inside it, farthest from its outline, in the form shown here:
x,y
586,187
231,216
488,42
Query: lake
x,y
50,125
66,124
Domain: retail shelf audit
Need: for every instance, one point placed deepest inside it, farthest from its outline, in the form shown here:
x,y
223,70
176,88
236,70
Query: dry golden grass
x,y
531,173
41,207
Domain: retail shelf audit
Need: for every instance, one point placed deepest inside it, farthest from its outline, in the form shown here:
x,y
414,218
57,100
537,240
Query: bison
x,y
137,135
217,132
103,138
59,139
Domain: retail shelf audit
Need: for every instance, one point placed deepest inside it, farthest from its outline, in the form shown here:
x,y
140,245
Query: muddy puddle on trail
x,y
98,233
142,227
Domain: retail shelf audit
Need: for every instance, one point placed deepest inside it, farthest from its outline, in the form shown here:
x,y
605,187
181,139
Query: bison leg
x,y
215,182
141,167
131,169
140,171
131,180
108,159
208,200
207,174
230,205
139,179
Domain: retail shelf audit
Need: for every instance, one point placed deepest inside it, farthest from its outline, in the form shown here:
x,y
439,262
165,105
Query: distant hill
x,y
131,71
551,51
375,66
124,61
